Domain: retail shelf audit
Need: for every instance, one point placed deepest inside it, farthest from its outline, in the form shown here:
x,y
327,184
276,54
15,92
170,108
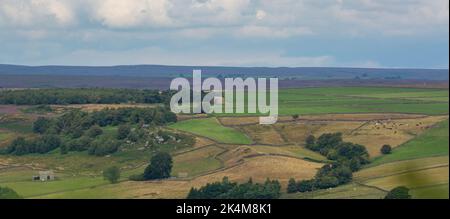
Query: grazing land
x,y
413,121
212,129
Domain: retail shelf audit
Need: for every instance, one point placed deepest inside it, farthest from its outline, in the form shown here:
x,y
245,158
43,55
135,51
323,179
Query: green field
x,y
422,159
211,128
362,100
433,142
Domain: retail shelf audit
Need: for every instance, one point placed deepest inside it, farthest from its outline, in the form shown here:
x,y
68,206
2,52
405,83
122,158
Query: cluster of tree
x,y
228,190
76,122
347,157
334,148
400,192
8,193
82,96
160,167
329,176
41,145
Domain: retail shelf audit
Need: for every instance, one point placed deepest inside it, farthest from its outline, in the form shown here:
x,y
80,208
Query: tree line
x,y
270,189
61,96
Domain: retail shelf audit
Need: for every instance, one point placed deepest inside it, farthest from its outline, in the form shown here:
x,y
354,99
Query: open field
x,y
257,168
433,142
197,161
262,134
361,100
426,177
212,129
408,119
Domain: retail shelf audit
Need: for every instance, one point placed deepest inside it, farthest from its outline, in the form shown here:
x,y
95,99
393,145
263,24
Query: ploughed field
x,y
413,121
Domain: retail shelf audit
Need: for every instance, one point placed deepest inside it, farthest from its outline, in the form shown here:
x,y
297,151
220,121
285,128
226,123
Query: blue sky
x,y
341,33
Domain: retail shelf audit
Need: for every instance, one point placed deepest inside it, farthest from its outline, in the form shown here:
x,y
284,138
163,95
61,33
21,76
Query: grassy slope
x,y
433,142
211,128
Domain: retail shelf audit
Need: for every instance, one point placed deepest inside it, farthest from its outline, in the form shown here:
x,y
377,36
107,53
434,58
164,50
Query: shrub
x,y
292,186
112,174
95,131
400,192
102,147
386,149
306,185
123,131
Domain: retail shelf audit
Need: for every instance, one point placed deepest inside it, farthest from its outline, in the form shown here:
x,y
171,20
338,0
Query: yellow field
x,y
426,177
263,134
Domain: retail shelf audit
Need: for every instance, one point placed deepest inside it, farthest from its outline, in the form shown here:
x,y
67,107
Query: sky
x,y
290,33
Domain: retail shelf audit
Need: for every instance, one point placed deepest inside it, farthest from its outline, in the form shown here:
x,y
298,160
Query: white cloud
x,y
36,12
366,17
132,13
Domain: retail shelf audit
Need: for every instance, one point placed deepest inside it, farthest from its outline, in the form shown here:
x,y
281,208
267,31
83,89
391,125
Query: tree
x,y
123,131
292,186
295,116
400,192
386,149
7,193
310,142
160,167
95,131
41,125
112,174
306,185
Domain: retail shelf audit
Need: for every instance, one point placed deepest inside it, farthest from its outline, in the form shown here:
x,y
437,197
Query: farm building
x,y
45,176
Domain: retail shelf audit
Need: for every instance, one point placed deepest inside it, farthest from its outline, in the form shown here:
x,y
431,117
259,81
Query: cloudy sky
x,y
353,33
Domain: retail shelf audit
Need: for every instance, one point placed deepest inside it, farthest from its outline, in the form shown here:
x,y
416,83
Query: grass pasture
x,y
426,177
433,142
329,100
197,161
212,129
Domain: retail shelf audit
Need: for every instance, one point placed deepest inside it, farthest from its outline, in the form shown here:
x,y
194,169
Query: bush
x,y
41,145
386,149
137,177
326,182
306,185
400,192
102,147
95,131
123,131
80,144
112,174
292,186
41,125
310,142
